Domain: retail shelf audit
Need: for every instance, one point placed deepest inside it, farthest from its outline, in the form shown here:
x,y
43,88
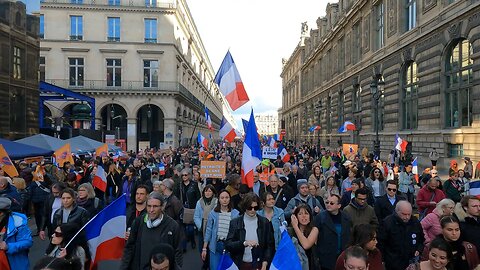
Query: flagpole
x,y
81,229
196,122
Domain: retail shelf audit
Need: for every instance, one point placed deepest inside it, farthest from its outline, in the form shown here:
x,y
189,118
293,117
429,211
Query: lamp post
x,y
376,88
318,110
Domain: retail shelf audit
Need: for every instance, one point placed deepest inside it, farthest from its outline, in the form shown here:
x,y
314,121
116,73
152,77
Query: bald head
x,y
3,183
404,210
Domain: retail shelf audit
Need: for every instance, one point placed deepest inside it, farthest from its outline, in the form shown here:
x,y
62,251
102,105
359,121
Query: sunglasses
x,y
392,189
58,234
184,174
253,208
331,203
154,173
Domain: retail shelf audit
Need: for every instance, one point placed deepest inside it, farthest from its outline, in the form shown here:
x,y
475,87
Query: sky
x,y
32,5
259,34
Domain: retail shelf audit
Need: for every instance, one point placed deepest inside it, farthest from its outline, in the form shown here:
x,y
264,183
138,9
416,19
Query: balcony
x,y
160,4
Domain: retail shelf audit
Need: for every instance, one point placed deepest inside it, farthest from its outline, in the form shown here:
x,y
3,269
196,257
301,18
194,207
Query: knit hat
x,y
168,183
301,182
5,203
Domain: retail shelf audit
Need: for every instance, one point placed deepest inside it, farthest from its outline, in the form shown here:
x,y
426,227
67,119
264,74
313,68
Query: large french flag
x,y
226,263
100,179
346,127
208,119
230,83
474,188
400,144
226,131
106,231
252,153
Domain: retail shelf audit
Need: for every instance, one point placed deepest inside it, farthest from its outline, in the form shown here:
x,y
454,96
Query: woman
x,y
250,238
464,253
86,199
73,212
217,228
364,236
453,187
203,208
330,188
113,183
304,234
22,190
156,186
78,248
128,185
356,258
464,182
439,255
197,178
376,183
431,222
347,183
273,214
317,177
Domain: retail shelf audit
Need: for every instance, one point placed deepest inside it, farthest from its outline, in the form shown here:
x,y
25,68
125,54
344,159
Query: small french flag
x,y
100,179
314,128
208,119
346,127
415,169
271,142
202,141
161,169
400,144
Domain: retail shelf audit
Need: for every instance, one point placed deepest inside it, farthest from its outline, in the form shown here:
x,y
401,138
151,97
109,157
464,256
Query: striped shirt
x,y
223,225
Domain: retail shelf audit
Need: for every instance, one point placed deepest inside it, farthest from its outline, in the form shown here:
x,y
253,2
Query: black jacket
x,y
47,210
136,255
78,215
236,236
470,229
93,207
398,241
284,194
383,207
188,195
292,181
132,214
327,241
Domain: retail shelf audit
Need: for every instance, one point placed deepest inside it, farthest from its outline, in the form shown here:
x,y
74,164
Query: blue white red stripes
x,y
346,127
415,169
208,119
226,131
252,153
230,84
314,128
100,179
271,142
400,144
283,153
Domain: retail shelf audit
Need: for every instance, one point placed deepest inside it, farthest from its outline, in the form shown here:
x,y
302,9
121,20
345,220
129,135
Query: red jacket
x,y
425,196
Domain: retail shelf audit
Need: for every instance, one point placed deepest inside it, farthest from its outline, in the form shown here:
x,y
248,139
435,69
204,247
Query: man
x,y
406,181
434,157
385,205
149,230
53,203
258,186
155,175
16,237
10,191
281,195
302,169
428,197
303,196
359,211
326,161
293,178
173,206
140,207
145,174
470,226
334,230
400,238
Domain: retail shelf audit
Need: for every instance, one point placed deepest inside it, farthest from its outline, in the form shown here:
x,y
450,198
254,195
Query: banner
x,y
350,151
63,154
6,164
102,151
269,152
212,169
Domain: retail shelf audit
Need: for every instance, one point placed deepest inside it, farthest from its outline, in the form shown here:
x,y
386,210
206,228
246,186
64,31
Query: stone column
x,y
132,134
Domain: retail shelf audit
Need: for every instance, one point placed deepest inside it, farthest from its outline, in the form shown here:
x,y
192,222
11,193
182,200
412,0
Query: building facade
x,y
267,124
421,55
19,50
143,62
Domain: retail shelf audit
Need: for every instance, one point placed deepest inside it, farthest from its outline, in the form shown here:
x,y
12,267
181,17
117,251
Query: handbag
x,y
188,215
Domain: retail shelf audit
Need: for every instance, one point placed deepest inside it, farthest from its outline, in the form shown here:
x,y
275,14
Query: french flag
x,y
226,263
106,232
415,169
277,137
161,169
271,142
202,141
208,119
346,127
313,128
474,188
283,153
286,256
252,154
230,84
226,131
100,179
400,144
245,124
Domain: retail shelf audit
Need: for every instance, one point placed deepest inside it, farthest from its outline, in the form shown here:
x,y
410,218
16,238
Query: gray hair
x,y
401,204
157,183
89,188
442,203
187,171
156,196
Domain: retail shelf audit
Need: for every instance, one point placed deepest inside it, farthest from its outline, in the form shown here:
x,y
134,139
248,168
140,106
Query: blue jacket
x,y
277,220
212,229
19,241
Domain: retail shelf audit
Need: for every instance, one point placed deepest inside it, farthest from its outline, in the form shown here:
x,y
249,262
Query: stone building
x,y
426,52
267,124
19,50
143,61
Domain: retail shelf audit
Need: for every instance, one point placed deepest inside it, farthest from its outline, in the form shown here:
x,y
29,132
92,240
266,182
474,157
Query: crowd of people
x,y
341,214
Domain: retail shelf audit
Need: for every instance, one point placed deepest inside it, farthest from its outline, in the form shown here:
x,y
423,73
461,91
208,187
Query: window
x,y
357,98
411,12
41,69
356,41
340,107
455,150
17,63
76,2
41,29
380,27
114,72
113,29
150,73
150,30
410,97
341,55
76,71
114,2
459,77
151,3
76,28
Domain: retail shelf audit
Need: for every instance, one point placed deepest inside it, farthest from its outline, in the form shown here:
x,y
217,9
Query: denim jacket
x,y
277,220
406,182
212,229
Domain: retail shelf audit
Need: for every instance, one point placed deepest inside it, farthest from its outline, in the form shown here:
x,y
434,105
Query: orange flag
x,y
6,163
102,151
63,154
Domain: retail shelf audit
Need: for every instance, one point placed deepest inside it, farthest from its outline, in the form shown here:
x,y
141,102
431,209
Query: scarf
x,y
207,208
81,201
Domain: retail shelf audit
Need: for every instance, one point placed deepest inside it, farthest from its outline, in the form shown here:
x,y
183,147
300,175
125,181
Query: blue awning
x,y
17,150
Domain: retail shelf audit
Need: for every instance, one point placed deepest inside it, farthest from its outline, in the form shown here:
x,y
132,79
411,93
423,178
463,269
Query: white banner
x,y
269,152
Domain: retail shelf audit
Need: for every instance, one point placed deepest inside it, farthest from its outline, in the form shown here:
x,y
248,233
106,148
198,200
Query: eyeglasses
x,y
256,207
331,203
58,234
392,189
184,174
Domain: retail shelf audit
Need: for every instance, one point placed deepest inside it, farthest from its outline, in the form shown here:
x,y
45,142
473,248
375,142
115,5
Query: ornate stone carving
x,y
392,17
455,30
366,33
407,54
428,4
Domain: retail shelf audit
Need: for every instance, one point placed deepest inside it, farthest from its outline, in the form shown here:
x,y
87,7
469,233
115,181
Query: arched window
x,y
340,108
459,77
357,98
410,96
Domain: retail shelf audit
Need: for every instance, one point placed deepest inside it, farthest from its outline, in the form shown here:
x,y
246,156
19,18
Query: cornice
x,y
113,50
87,7
149,52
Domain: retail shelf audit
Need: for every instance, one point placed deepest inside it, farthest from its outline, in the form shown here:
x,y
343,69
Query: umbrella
x,y
82,144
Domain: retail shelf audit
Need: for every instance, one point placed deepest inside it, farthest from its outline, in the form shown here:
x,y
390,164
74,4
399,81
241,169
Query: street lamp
x,y
376,88
318,110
